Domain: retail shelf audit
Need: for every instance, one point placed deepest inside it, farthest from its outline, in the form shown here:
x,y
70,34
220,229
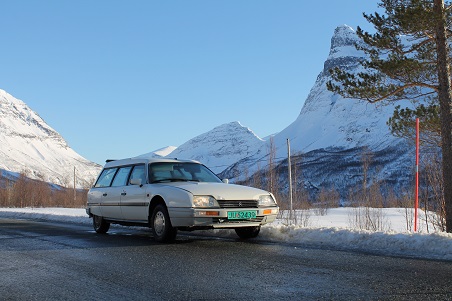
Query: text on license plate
x,y
241,214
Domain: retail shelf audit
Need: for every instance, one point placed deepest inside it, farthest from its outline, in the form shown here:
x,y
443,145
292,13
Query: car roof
x,y
144,160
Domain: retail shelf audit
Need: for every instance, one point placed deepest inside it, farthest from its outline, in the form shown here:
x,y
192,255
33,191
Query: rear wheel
x,y
162,229
100,225
248,232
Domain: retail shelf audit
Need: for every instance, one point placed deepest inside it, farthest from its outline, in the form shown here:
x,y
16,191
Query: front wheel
x,y
248,232
100,225
162,229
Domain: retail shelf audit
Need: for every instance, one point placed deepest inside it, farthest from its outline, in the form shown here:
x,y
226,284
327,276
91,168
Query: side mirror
x,y
225,181
135,181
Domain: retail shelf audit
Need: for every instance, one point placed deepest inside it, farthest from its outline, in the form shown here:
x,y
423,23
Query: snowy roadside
x,y
330,230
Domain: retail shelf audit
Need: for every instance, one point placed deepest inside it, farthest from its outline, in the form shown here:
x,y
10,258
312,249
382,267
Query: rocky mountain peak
x,y
343,35
343,52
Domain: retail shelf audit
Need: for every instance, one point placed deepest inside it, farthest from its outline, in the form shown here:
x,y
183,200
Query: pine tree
x,y
403,124
408,58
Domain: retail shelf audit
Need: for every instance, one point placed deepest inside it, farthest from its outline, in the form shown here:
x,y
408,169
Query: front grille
x,y
237,204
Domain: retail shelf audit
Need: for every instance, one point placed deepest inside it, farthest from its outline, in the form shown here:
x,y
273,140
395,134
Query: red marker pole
x,y
416,195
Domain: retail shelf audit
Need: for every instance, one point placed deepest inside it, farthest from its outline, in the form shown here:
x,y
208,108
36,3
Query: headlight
x,y
266,201
204,201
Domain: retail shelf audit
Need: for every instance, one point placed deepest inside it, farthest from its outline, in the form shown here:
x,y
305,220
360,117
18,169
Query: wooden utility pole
x,y
290,179
75,191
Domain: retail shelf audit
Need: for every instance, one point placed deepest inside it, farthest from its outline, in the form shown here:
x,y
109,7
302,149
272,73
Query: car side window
x,y
121,176
105,177
138,173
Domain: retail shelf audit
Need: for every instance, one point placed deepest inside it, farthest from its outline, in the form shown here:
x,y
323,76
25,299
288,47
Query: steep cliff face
x,y
328,120
28,144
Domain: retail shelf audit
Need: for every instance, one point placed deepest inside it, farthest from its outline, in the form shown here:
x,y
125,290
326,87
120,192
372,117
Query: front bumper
x,y
218,218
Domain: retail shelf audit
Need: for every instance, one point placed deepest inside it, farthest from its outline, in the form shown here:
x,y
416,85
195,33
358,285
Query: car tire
x,y
100,225
248,232
161,226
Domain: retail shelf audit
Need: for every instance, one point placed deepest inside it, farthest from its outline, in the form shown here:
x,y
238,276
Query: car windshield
x,y
180,172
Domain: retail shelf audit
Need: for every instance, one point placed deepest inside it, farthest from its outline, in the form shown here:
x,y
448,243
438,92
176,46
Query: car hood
x,y
220,191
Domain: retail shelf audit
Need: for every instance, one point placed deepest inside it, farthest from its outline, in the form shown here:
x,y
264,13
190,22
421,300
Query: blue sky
x,y
121,78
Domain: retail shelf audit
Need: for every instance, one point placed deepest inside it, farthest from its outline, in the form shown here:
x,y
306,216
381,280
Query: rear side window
x,y
122,176
105,177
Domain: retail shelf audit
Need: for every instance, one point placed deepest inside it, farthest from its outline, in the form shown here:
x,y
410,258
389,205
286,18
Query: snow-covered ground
x,y
336,229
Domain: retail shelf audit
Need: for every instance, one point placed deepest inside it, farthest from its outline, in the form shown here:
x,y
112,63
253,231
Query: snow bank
x,y
49,214
422,245
332,230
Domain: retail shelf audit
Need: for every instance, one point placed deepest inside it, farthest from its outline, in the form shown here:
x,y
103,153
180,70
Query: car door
x,y
112,200
134,204
103,199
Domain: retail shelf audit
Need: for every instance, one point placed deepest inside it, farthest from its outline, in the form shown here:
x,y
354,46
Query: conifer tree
x,y
403,124
408,58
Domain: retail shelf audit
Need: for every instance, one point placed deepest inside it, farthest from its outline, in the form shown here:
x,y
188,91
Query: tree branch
x,y
401,89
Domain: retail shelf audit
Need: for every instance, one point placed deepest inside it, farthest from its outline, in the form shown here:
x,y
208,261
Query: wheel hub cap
x,y
159,223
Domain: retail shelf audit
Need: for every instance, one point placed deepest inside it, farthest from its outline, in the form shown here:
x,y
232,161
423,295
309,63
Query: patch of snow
x,y
166,151
162,152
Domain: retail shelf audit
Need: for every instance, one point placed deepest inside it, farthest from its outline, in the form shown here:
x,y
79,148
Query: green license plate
x,y
241,214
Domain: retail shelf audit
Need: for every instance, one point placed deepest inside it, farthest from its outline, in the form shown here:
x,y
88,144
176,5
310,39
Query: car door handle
x,y
104,194
123,193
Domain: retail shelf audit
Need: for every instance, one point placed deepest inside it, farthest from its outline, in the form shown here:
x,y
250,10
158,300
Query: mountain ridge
x,y
222,146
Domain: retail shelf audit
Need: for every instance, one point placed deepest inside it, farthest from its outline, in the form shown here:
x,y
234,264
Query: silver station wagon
x,y
169,195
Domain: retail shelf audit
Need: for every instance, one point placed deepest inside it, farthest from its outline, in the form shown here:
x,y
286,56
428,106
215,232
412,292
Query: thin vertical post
x,y
416,195
289,164
75,192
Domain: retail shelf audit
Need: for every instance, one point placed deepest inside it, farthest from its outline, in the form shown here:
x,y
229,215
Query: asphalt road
x,y
50,261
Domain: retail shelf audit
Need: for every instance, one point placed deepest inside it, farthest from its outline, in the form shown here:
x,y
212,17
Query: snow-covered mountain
x,y
334,133
28,144
328,120
221,147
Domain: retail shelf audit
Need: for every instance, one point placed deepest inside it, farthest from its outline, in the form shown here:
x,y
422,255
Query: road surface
x,y
51,261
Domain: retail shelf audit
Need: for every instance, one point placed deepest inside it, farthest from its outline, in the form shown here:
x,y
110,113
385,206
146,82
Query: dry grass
x,y
25,192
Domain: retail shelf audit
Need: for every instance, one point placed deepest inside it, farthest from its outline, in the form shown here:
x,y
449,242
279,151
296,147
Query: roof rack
x,y
110,160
